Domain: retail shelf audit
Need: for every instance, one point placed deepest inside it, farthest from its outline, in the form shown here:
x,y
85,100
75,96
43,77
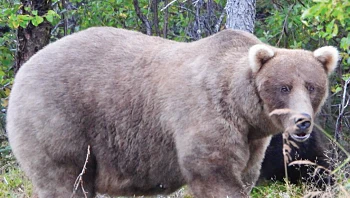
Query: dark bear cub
x,y
312,150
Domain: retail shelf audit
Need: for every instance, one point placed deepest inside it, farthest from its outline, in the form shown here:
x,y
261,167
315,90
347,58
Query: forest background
x,y
27,26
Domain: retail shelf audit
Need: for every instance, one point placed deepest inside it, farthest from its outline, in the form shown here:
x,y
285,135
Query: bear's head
x,y
292,84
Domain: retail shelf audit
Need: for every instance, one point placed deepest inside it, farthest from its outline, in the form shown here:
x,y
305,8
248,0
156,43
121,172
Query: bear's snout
x,y
303,124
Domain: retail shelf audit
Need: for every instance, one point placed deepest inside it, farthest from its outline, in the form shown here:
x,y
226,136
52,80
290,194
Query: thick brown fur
x,y
157,114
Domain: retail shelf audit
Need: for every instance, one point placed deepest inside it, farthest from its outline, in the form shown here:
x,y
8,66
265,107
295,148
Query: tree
x,y
33,38
240,15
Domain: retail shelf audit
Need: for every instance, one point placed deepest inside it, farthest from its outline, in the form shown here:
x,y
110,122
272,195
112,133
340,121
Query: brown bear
x,y
159,114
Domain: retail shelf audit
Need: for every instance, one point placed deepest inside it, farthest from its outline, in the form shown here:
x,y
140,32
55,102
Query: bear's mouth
x,y
300,137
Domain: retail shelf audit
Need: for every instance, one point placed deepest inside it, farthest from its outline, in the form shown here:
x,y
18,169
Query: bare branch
x,y
155,16
64,17
165,26
342,107
285,25
219,21
79,181
165,7
142,17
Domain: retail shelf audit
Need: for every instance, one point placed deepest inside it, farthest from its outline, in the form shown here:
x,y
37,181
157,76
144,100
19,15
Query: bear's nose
x,y
303,122
304,125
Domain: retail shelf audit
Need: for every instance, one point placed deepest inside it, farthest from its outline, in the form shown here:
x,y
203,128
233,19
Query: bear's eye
x,y
310,88
285,89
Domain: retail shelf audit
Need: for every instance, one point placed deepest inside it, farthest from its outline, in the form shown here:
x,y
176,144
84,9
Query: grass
x,y
277,190
13,183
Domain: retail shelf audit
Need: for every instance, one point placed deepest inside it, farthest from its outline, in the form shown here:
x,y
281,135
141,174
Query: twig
x,y
344,104
284,31
79,180
198,21
155,16
218,23
142,17
165,7
64,17
339,146
188,10
308,162
169,4
196,2
165,26
286,157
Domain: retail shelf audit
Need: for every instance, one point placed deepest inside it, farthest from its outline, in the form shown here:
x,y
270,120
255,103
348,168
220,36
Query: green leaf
x,y
335,30
345,43
28,9
337,89
24,24
15,24
49,18
35,12
329,27
37,20
51,12
346,77
25,17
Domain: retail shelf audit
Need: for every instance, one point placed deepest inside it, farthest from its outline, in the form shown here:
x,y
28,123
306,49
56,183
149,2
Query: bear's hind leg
x,y
59,180
52,176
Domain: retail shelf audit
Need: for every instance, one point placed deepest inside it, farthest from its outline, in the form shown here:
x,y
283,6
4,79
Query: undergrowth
x,y
14,184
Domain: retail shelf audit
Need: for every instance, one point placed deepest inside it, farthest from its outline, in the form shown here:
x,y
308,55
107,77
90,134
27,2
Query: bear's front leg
x,y
212,162
251,172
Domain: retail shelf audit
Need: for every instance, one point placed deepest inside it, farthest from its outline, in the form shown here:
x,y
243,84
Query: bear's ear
x,y
328,56
258,55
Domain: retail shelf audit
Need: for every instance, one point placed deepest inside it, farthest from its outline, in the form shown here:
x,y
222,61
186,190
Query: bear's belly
x,y
145,179
138,162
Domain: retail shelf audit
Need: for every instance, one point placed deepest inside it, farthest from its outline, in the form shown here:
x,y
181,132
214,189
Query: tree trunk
x,y
31,39
240,14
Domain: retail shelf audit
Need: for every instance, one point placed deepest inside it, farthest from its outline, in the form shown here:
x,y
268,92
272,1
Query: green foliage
x,y
15,20
281,25
277,190
330,20
308,25
13,183
114,13
9,15
122,14
7,55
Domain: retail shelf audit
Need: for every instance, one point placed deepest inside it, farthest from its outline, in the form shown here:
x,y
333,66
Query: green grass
x,y
277,190
13,183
